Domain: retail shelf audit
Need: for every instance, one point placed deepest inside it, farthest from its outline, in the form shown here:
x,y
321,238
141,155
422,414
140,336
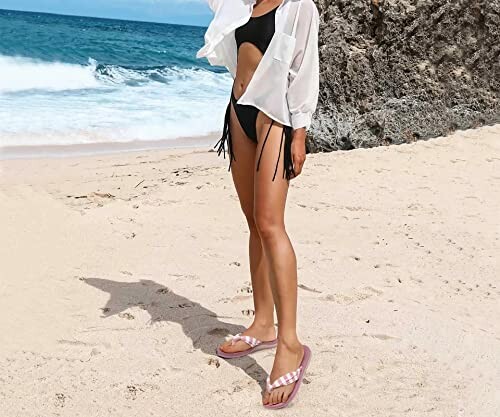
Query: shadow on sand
x,y
198,323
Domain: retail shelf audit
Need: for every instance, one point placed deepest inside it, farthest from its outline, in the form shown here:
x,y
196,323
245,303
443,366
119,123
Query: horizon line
x,y
100,17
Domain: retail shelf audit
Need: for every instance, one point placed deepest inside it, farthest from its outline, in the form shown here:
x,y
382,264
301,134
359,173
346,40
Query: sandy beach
x,y
120,273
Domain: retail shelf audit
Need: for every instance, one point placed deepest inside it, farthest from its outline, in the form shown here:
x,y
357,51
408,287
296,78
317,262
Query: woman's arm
x,y
303,88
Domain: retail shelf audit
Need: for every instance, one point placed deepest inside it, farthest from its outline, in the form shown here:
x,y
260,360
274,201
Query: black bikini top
x,y
258,31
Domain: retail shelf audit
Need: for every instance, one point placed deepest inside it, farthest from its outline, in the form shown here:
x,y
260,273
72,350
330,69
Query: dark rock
x,y
396,71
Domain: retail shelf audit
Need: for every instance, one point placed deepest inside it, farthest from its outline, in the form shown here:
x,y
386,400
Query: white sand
x,y
112,305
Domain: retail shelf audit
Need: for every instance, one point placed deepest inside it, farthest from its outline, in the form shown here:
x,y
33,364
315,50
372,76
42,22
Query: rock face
x,y
395,71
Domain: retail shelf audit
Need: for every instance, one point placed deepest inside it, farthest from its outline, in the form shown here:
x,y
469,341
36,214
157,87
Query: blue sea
x,y
77,80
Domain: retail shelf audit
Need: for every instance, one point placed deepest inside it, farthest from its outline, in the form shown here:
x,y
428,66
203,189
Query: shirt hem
x,y
267,113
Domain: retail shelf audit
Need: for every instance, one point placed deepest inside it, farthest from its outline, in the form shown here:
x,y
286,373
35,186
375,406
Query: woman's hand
x,y
298,150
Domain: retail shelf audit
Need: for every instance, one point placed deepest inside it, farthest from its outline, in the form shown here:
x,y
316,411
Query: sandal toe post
x,y
255,345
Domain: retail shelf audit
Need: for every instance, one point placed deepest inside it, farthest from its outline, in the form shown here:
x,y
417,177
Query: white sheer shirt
x,y
295,66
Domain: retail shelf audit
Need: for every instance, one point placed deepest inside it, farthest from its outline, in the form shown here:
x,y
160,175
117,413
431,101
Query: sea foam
x,y
21,74
77,80
56,103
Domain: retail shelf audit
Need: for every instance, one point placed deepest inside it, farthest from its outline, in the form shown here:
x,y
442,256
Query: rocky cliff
x,y
395,71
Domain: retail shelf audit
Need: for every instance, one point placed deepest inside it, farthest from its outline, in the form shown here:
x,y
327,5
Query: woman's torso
x,y
293,98
252,39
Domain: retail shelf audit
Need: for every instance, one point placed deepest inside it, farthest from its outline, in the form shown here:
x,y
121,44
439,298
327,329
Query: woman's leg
x,y
242,169
269,210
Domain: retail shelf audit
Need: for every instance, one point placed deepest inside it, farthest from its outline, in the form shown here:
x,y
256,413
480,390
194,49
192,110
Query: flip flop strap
x,y
252,341
286,379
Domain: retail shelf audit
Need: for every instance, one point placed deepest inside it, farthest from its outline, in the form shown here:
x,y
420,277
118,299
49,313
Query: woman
x,y
270,47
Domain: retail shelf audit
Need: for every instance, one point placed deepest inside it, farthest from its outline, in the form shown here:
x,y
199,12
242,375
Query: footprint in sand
x,y
248,313
60,400
132,392
239,298
219,332
306,288
126,316
308,207
356,296
184,305
214,362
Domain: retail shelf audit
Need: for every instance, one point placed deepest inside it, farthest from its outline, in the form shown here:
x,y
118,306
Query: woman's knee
x,y
268,225
248,212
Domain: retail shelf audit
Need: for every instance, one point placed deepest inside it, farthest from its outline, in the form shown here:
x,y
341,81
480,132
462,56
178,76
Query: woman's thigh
x,y
242,167
269,196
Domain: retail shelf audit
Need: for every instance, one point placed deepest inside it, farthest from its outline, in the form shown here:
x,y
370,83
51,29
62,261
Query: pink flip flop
x,y
255,345
291,377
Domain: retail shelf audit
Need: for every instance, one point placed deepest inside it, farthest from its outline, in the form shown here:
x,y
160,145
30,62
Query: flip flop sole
x,y
305,363
264,345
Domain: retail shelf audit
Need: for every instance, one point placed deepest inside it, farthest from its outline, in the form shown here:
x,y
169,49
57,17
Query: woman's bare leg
x,y
269,210
242,170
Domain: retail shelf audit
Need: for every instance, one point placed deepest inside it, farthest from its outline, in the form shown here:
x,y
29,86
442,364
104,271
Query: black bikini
x,y
258,31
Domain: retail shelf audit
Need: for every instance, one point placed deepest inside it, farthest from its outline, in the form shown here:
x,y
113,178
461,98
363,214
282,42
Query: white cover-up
x,y
285,84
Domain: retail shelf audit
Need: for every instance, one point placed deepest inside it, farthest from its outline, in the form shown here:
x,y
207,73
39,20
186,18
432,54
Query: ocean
x,y
68,80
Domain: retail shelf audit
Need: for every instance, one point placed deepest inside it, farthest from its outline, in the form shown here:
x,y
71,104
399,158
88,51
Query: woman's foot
x,y
264,333
288,359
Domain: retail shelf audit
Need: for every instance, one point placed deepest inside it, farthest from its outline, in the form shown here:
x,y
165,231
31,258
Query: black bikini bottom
x,y
247,116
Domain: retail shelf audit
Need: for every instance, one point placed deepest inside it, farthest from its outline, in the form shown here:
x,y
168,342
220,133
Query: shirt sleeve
x,y
303,87
213,4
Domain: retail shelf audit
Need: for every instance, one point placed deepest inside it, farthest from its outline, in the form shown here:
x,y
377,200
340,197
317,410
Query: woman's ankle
x,y
263,326
289,342
263,322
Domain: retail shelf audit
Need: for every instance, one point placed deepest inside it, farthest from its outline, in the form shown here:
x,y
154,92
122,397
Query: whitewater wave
x,y
143,85
23,74
74,104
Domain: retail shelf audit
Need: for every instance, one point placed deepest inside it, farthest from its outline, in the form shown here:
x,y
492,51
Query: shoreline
x,y
105,148
200,143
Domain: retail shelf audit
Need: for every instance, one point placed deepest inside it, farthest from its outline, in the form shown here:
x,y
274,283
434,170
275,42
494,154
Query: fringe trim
x,y
226,139
288,171
286,137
